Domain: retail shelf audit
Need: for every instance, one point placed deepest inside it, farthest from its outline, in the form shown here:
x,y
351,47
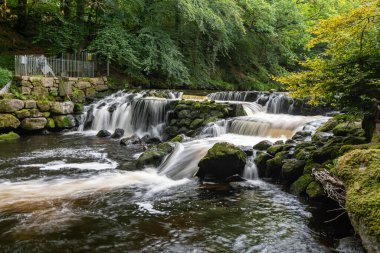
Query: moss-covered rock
x,y
274,165
222,161
50,123
178,138
64,121
275,149
43,105
8,121
300,185
103,134
261,162
78,108
32,124
62,107
328,126
348,128
196,123
314,190
292,169
11,105
360,172
263,145
154,155
9,136
24,113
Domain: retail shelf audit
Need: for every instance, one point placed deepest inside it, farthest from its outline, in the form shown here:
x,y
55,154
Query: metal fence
x,y
68,65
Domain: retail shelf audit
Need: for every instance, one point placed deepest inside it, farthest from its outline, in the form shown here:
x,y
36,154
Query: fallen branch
x,y
333,186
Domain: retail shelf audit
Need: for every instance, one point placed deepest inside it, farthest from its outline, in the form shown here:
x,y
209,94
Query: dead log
x,y
333,186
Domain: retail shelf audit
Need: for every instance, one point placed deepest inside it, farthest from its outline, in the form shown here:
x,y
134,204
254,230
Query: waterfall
x,y
250,170
129,111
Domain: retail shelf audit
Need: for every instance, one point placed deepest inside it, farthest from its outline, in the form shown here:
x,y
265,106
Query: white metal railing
x,y
82,65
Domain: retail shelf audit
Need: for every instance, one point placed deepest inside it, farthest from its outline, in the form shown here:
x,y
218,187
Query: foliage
x,y
5,77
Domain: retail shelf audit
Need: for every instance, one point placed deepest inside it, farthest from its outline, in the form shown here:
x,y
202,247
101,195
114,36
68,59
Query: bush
x,y
5,77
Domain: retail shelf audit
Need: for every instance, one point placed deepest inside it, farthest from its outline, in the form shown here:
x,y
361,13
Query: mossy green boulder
x,y
261,162
64,121
292,169
24,113
178,138
32,124
154,155
222,161
315,190
263,145
9,136
8,121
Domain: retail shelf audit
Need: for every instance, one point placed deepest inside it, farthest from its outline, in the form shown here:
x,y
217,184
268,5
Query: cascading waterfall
x,y
133,113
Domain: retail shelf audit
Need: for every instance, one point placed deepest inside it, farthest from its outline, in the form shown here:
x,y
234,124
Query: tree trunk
x,y
369,121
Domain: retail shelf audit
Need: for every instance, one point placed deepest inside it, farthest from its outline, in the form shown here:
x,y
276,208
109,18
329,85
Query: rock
x,y
62,107
320,137
196,123
101,87
82,85
32,124
64,121
11,105
90,92
328,126
118,133
345,129
263,145
292,169
8,121
222,161
40,92
30,104
24,90
300,185
274,165
133,140
272,150
43,106
9,136
261,162
24,113
47,82
103,133
154,155
279,142
179,138
359,170
314,190
35,113
50,123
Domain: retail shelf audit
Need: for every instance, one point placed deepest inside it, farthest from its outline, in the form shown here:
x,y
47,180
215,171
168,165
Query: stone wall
x,y
78,89
31,115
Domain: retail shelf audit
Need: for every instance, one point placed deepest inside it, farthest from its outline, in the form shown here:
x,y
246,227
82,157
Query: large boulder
x,y
64,121
62,108
300,185
32,124
8,121
154,155
221,162
11,105
261,162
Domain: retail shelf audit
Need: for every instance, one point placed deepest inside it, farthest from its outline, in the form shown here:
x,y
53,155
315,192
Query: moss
x,y
8,121
309,167
275,149
314,190
196,123
154,155
50,123
360,171
9,136
300,185
348,128
24,113
43,105
328,126
78,108
178,138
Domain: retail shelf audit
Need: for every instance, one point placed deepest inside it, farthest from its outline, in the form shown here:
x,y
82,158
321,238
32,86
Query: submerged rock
x,y
103,134
9,136
221,162
118,133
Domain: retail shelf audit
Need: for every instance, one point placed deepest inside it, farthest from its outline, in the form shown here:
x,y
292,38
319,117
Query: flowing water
x,y
78,193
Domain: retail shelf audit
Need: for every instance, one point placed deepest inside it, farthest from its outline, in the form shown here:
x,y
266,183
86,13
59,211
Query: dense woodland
x,y
330,47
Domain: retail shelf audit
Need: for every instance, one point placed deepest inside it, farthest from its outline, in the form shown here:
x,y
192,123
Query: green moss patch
x,y
9,136
360,171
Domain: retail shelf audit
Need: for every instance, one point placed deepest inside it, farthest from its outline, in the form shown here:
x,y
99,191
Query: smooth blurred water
x,y
72,193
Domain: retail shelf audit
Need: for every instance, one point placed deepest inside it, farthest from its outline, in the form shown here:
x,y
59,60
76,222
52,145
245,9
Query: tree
x,y
347,72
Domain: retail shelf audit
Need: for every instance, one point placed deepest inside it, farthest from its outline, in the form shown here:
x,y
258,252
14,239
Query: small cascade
x,y
279,103
250,170
216,128
229,96
129,111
